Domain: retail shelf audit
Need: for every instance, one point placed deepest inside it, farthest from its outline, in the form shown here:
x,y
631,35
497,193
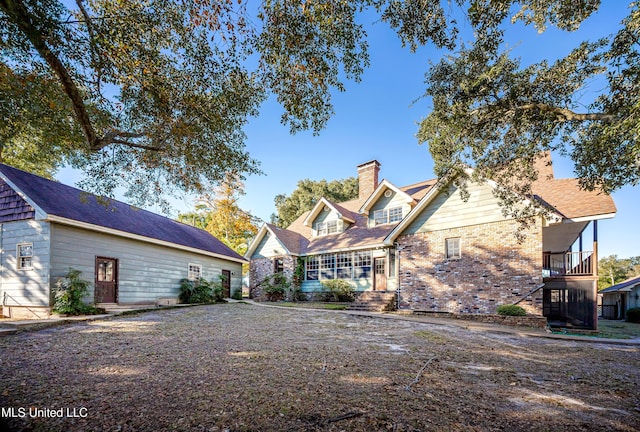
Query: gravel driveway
x,y
244,367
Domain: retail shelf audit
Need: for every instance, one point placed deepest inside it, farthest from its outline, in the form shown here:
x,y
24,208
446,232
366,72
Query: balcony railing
x,y
567,264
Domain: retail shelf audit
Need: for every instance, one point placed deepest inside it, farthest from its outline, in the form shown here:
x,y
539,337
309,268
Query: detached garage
x,y
132,256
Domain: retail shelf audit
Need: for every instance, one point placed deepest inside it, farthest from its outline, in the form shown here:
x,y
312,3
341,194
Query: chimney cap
x,y
366,164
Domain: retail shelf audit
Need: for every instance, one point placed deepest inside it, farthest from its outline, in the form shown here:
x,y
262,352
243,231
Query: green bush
x,y
69,293
511,310
633,315
200,291
340,290
276,286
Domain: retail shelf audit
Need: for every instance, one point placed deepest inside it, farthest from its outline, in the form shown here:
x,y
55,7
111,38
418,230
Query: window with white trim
x,y
195,272
312,268
327,266
452,248
361,264
25,256
327,227
384,216
342,265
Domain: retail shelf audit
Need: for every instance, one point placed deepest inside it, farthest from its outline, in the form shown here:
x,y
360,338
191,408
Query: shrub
x,y
275,286
69,293
200,291
340,290
633,315
511,310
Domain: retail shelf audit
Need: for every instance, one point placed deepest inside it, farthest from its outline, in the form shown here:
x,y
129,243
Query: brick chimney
x,y
544,167
368,178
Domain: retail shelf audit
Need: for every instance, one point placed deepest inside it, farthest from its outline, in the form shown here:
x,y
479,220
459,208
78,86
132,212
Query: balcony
x,y
558,265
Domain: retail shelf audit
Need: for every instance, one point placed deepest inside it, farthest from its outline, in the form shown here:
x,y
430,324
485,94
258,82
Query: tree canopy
x,y
219,214
153,95
307,194
613,270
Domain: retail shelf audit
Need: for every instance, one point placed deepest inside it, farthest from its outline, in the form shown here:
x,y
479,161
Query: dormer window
x,y
327,227
384,216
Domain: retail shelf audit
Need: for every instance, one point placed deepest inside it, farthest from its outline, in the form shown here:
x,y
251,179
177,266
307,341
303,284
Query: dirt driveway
x,y
243,367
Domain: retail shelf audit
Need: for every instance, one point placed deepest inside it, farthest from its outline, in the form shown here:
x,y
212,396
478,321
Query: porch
x,y
570,277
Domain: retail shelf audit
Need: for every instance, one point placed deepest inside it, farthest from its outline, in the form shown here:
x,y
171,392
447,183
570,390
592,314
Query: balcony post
x,y
594,258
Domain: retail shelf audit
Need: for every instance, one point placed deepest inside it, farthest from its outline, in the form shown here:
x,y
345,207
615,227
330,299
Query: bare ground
x,y
242,367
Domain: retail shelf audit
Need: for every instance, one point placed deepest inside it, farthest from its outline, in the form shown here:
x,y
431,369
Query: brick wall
x,y
494,269
260,268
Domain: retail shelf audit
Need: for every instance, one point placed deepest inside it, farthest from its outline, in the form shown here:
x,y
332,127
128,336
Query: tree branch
x,y
21,17
565,114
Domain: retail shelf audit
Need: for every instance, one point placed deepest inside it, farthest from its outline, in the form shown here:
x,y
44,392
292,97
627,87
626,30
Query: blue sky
x,y
377,119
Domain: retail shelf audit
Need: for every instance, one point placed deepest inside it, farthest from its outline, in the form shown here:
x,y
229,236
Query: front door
x,y
106,280
380,275
226,283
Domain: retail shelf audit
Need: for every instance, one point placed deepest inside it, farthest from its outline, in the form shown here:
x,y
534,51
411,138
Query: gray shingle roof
x,y
68,202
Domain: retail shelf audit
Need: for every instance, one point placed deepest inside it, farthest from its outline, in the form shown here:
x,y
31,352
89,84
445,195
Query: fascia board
x,y
424,202
366,206
40,213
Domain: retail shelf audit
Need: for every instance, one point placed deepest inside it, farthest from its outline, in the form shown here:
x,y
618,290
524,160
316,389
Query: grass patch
x,y
313,305
618,329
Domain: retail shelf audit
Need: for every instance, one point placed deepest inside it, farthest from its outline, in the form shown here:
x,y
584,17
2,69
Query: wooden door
x,y
379,275
106,280
226,283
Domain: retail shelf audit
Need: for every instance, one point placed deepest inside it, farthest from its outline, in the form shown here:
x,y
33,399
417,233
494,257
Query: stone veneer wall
x,y
494,269
260,268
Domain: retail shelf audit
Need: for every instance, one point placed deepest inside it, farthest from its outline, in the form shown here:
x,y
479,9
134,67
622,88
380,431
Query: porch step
x,y
374,301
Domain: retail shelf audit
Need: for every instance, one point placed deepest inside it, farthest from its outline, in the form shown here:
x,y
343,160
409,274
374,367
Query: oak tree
x,y
153,95
308,193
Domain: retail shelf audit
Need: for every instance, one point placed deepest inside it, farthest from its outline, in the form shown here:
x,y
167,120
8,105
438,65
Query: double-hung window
x,y
25,256
452,248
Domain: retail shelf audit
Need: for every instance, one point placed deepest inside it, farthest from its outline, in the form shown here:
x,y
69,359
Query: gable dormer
x,y
328,218
388,204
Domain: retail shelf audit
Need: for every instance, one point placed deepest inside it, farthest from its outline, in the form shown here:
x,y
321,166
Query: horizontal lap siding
x,y
146,271
448,210
268,248
25,287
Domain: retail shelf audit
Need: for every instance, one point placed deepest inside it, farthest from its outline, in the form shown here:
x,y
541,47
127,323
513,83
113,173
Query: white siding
x,y
145,271
25,287
449,210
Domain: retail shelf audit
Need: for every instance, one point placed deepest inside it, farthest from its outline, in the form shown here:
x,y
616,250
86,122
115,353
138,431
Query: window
x,y
384,216
362,264
342,265
324,228
195,272
344,268
25,256
395,214
392,263
278,265
312,268
452,248
327,266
